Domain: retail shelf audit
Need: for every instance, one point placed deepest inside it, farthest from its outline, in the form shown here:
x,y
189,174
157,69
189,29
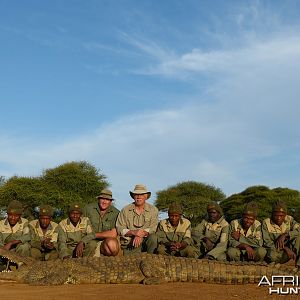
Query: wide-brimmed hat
x,y
140,189
106,194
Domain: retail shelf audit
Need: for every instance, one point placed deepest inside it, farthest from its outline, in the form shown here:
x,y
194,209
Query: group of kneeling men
x,y
101,229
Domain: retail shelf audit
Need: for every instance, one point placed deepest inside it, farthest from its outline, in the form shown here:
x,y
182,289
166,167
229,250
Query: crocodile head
x,y
21,269
12,265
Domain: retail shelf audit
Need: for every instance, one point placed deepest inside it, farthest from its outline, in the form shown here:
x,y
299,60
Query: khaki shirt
x,y
128,219
18,232
271,231
69,235
253,236
217,232
37,235
167,233
107,222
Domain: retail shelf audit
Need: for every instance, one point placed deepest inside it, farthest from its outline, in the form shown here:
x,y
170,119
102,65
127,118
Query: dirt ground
x,y
134,291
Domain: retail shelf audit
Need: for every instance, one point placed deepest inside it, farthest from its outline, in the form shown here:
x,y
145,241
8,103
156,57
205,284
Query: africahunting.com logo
x,y
281,285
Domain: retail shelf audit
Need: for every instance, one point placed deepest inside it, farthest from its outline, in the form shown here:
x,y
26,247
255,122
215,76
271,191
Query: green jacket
x,y
253,237
166,233
271,231
107,222
69,235
18,232
37,235
217,232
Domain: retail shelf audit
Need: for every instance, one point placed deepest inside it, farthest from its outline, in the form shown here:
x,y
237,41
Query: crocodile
x,y
143,268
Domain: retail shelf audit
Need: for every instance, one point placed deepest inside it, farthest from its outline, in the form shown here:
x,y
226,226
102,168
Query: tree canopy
x,y
193,196
58,187
264,197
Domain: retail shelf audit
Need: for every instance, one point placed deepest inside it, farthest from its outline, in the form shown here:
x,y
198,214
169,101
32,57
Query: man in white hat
x,y
137,221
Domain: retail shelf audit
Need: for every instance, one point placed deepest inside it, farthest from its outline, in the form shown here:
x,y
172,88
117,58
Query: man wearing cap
x,y
173,235
103,216
14,230
211,235
43,234
137,221
281,235
74,234
245,237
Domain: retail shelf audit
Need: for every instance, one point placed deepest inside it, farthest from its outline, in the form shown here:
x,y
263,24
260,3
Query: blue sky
x,y
153,92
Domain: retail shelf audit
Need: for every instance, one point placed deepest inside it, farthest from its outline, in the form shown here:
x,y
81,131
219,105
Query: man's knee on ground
x,y
152,243
233,254
190,252
161,249
36,253
260,253
23,249
110,247
274,255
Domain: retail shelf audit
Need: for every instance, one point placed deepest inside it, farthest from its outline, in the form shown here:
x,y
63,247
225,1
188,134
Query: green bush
x,y
58,187
193,196
264,197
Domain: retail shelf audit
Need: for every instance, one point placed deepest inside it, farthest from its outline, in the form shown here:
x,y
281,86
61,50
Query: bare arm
x,y
106,234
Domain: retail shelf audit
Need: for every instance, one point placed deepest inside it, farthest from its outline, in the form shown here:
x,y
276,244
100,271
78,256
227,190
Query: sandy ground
x,y
134,291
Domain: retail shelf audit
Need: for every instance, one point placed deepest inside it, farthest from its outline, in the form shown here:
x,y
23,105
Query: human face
x,y
247,220
74,216
104,204
44,221
278,217
140,199
174,219
213,215
13,219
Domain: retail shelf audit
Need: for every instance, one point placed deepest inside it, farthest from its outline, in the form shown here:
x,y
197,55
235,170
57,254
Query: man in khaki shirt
x,y
43,235
173,235
281,235
245,237
211,235
14,230
74,234
137,221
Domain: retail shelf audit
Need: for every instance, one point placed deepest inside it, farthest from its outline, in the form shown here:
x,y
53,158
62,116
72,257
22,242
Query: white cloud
x,y
248,121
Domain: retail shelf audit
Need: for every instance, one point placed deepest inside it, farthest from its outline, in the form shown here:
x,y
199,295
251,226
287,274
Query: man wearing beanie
x,y
14,230
245,237
173,235
74,234
211,235
281,235
43,234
